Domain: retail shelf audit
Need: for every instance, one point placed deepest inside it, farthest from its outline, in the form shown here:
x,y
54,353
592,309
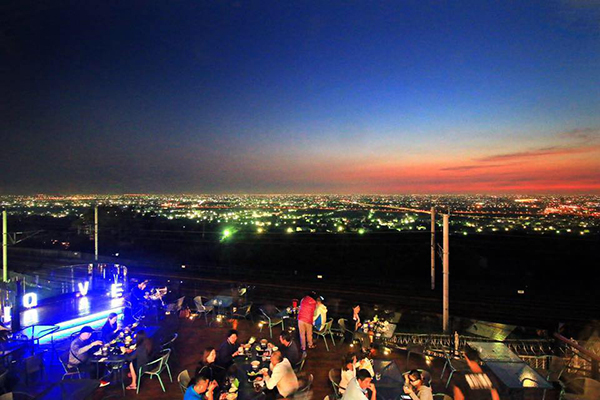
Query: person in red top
x,y
305,320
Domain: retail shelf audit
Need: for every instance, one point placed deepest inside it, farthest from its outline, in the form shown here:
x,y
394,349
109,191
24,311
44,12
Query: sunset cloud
x,y
537,153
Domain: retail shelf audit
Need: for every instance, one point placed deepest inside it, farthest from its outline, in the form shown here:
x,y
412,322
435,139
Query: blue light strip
x,y
67,328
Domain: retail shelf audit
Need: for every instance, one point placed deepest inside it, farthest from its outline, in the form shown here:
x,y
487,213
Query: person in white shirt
x,y
283,376
416,385
361,387
349,367
320,315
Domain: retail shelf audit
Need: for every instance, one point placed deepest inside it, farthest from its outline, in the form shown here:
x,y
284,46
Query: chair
x,y
453,366
69,371
556,366
155,368
243,312
184,380
326,331
307,385
202,309
300,364
343,329
174,308
588,388
335,378
33,364
271,321
169,344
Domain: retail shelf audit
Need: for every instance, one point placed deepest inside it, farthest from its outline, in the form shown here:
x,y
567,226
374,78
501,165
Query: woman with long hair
x,y
140,357
208,368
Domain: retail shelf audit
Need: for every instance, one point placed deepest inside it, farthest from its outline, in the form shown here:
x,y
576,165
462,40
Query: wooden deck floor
x,y
194,336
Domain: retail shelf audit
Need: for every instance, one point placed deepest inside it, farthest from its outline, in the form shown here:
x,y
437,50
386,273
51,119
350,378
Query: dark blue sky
x,y
217,96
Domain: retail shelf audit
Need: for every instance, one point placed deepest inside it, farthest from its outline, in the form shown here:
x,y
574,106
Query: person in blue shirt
x,y
200,388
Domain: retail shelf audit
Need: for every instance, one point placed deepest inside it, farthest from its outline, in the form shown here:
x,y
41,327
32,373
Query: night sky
x,y
215,96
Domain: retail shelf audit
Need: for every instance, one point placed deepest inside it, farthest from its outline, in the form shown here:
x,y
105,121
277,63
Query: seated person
x,y
208,368
349,367
79,352
361,387
416,385
142,355
200,388
110,328
320,315
289,349
282,377
228,350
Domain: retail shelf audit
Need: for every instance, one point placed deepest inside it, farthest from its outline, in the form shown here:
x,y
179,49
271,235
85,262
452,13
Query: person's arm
x,y
409,391
373,391
81,350
272,381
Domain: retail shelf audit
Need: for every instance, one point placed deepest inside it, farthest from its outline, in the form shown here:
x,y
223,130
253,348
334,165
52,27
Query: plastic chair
x,y
32,365
300,364
343,329
155,368
335,378
307,384
326,331
69,371
453,366
169,344
174,308
271,322
184,380
115,368
202,309
243,312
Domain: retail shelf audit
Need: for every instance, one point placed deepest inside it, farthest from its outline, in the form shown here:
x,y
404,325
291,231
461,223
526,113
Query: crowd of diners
x,y
280,379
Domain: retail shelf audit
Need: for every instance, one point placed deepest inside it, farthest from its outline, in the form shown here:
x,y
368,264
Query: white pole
x,y
446,262
96,233
432,248
4,246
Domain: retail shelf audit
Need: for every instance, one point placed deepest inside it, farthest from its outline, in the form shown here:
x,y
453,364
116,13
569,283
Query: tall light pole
x,y
4,246
432,248
446,263
96,233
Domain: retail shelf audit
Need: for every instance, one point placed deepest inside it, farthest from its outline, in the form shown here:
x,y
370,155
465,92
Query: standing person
x,y
416,385
305,320
361,387
362,337
320,316
289,349
228,350
283,376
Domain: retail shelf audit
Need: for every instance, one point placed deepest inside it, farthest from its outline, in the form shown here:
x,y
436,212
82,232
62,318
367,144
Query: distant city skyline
x,y
305,97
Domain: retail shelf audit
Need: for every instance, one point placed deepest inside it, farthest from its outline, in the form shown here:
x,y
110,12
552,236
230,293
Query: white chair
x,y
202,309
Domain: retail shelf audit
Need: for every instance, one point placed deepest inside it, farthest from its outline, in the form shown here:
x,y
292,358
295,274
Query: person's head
x,y
209,356
200,383
232,336
85,333
112,318
348,361
356,309
142,339
416,378
363,377
142,285
276,358
319,299
285,338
